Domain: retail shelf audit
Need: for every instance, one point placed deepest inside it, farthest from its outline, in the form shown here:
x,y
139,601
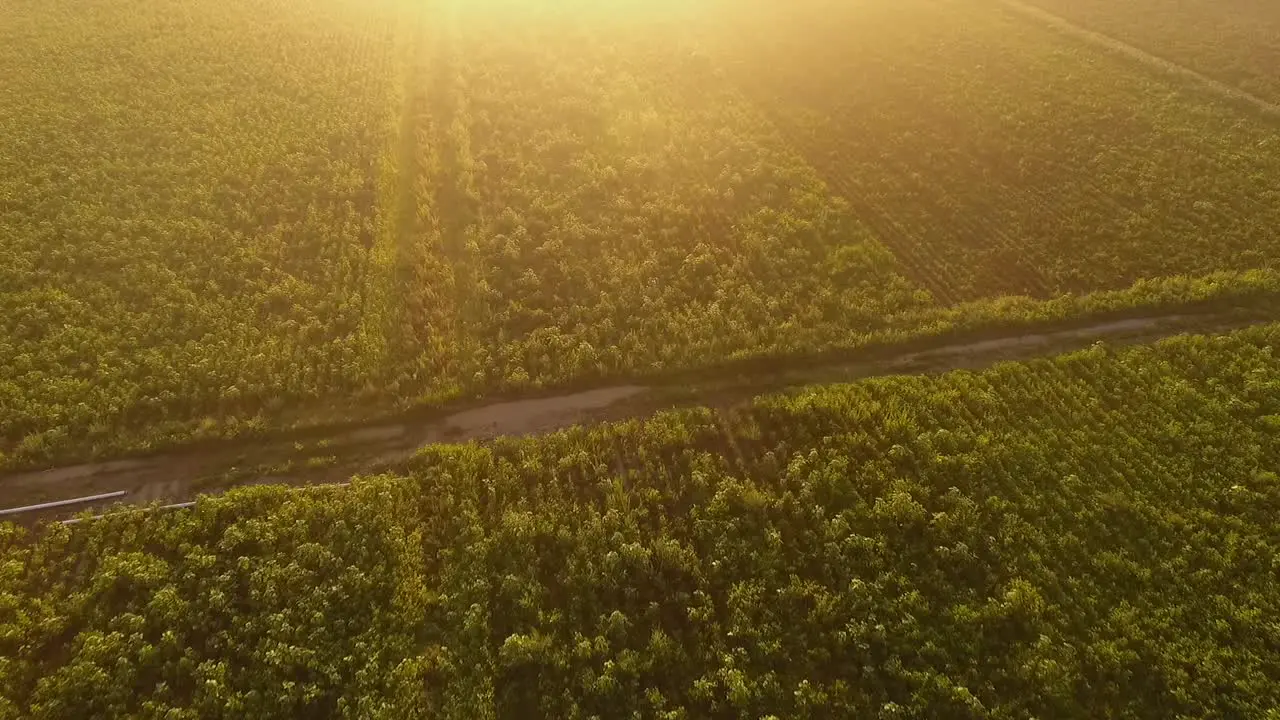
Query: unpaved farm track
x,y
1107,42
336,456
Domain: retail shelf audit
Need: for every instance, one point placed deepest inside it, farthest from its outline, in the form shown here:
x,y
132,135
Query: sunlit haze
x,y
639,359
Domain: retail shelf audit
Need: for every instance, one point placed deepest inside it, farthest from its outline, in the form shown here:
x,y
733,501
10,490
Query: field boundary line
x,y
383,312
456,214
1115,45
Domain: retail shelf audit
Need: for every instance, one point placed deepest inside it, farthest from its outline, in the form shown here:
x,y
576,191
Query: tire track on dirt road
x,y
1115,45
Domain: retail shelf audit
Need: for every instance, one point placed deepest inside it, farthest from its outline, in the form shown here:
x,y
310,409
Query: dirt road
x,y
336,456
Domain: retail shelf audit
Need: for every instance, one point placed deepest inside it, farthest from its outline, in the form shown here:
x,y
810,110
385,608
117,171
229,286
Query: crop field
x,y
1008,158
188,195
568,286
607,203
1234,41
226,219
1083,536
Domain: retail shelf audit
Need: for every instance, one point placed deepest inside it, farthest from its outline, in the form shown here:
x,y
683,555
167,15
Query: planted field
x,y
188,193
1085,536
224,218
995,155
376,206
608,204
221,219
1234,41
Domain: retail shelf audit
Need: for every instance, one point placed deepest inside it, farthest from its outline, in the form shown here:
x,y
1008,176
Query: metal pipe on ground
x,y
64,503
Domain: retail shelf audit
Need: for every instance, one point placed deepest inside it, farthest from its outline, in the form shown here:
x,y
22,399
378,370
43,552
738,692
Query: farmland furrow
x,y
407,297
902,241
968,202
948,214
888,229
449,177
904,233
970,217
408,235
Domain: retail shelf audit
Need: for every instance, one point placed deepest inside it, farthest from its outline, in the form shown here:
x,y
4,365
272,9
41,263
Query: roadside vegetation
x,y
1089,535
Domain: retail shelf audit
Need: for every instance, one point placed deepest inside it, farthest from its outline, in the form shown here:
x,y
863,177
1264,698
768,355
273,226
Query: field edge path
x,y
339,454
